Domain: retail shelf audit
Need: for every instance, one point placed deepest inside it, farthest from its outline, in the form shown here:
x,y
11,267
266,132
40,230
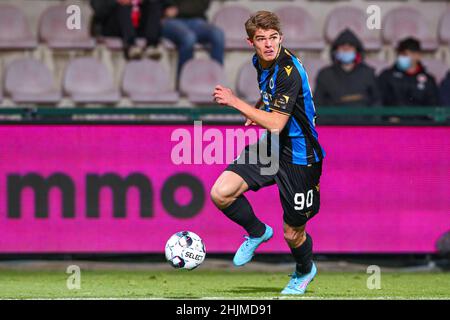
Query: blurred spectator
x,y
407,83
445,90
348,81
130,19
186,24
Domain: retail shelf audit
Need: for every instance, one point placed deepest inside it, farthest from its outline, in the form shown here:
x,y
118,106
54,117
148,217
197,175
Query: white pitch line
x,y
244,298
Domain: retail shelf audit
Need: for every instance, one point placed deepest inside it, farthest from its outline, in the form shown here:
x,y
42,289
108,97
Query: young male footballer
x,y
286,108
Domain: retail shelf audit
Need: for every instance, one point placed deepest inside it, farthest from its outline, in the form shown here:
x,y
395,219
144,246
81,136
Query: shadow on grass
x,y
247,290
182,297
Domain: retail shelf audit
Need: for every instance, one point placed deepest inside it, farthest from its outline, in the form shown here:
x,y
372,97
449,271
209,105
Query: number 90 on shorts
x,y
300,200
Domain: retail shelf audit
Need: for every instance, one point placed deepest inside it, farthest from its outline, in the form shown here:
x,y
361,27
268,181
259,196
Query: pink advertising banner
x,y
118,189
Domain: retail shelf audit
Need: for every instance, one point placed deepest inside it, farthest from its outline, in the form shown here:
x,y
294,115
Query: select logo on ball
x,y
185,250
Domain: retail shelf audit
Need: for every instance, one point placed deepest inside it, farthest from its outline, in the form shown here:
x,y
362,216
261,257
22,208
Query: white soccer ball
x,y
185,250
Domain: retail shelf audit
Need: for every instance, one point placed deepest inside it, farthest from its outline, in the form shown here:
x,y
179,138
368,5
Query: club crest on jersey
x,y
267,97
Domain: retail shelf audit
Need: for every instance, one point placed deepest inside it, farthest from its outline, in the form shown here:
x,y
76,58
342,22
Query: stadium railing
x,y
366,115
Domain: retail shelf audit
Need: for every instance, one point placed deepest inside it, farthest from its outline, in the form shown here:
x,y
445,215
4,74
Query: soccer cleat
x,y
247,249
299,282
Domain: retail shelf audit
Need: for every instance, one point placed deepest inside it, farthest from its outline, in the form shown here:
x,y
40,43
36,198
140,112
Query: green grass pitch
x,y
199,284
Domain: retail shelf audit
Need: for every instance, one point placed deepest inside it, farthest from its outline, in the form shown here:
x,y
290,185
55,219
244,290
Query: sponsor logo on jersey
x,y
281,102
288,70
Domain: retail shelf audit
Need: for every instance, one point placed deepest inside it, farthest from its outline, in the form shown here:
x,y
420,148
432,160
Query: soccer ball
x,y
185,250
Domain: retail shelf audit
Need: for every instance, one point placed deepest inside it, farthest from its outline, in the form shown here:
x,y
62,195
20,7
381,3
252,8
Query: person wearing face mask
x,y
348,81
407,83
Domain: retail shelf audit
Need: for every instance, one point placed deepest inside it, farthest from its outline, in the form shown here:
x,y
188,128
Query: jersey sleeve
x,y
288,86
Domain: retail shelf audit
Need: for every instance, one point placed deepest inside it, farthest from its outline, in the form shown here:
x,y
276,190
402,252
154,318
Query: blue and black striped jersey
x,y
284,88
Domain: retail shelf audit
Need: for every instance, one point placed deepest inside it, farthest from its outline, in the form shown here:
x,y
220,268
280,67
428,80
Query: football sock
x,y
303,256
241,212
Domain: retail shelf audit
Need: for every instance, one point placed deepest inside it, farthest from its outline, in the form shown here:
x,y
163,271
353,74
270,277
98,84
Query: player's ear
x,y
250,42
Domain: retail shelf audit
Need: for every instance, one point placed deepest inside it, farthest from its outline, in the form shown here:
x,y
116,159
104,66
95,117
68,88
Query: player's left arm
x,y
283,103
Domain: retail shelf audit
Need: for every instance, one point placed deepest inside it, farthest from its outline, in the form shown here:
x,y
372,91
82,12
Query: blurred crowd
x,y
348,81
183,22
166,44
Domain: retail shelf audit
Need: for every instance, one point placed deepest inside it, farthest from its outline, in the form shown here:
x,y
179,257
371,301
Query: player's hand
x,y
171,12
124,2
224,96
250,122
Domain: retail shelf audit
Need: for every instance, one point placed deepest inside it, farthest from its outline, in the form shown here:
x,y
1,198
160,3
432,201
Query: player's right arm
x,y
258,105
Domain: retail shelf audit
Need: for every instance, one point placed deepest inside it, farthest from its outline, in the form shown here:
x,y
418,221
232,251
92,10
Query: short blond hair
x,y
262,20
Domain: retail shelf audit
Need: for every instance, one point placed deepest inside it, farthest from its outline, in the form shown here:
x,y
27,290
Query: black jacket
x,y
401,89
337,87
192,8
104,8
445,91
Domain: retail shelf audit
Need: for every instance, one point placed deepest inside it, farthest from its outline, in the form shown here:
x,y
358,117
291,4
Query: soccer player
x,y
287,108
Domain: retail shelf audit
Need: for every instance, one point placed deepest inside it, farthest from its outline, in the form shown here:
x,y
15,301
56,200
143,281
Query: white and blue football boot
x,y
299,282
246,251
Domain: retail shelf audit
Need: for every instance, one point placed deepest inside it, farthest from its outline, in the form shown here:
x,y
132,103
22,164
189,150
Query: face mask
x,y
346,57
404,62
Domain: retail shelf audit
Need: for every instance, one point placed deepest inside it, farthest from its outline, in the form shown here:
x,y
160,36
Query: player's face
x,y
266,44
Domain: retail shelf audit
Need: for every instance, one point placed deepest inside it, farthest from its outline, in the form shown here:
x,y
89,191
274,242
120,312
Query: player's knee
x,y
294,238
220,196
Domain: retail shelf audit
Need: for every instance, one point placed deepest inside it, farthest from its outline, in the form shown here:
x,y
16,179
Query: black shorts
x,y
298,185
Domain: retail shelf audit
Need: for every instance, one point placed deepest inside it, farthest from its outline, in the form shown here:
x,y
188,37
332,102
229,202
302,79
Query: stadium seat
x,y
198,79
169,45
14,29
436,67
116,44
146,81
403,22
312,67
54,32
299,29
231,20
352,18
86,80
247,84
444,28
378,64
29,81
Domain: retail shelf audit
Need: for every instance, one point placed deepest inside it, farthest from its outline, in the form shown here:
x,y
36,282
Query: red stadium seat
x,y
299,29
247,84
14,29
146,81
30,81
54,32
312,67
354,19
115,44
378,64
403,22
198,79
436,67
231,20
86,80
444,28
